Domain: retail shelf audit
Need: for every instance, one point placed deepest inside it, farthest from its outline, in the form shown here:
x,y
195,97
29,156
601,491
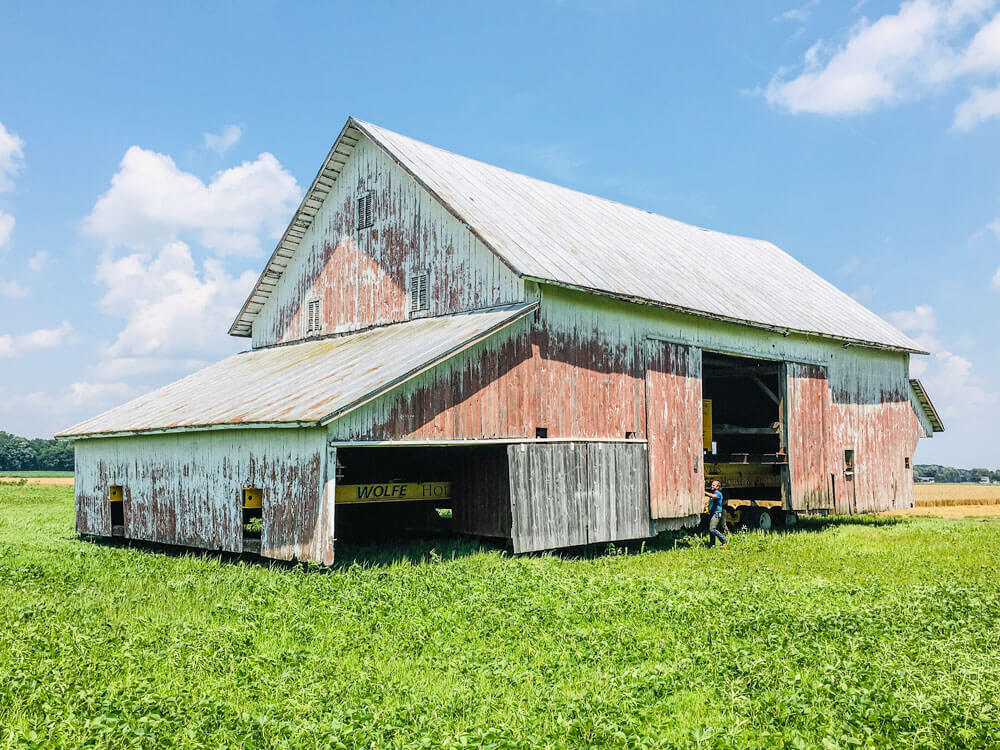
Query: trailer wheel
x,y
760,519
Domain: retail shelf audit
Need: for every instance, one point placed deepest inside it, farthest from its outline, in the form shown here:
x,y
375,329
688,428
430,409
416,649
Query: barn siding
x,y
807,393
579,371
568,494
184,488
361,276
674,429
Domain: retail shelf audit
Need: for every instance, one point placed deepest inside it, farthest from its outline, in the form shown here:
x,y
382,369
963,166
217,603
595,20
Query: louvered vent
x,y
418,292
365,215
312,319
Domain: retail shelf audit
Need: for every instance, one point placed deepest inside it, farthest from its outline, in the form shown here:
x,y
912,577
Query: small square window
x,y
419,300
541,433
906,462
313,324
366,216
629,435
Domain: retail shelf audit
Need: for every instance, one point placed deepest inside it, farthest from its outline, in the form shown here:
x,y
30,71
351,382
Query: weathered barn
x,y
557,368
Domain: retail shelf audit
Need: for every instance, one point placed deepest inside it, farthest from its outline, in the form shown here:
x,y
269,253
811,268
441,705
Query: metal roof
x,y
552,234
920,393
302,384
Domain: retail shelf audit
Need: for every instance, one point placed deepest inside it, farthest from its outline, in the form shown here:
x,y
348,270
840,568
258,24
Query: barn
x,y
556,368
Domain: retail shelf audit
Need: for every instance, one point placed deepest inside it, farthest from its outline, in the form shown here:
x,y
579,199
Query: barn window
x,y
115,499
418,292
252,502
849,463
365,214
906,462
541,433
312,317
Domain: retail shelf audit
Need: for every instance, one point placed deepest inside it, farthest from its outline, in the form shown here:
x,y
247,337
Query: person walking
x,y
716,514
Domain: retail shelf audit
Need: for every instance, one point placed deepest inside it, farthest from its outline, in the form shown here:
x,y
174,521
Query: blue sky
x,y
151,153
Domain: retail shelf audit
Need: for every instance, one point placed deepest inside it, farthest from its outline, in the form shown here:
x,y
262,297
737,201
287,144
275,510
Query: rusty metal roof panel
x,y
306,383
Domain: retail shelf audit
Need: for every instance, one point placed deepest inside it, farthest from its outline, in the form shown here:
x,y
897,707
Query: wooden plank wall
x,y
674,429
361,276
807,394
184,488
481,493
567,494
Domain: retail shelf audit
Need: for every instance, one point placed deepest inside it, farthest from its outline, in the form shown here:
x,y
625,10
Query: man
x,y
716,514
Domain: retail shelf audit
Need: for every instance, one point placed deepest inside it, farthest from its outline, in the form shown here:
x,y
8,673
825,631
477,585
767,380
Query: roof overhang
x,y
321,186
845,341
922,402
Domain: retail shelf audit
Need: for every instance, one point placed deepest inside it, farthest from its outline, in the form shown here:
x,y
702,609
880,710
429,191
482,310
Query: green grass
x,y
5,473
843,634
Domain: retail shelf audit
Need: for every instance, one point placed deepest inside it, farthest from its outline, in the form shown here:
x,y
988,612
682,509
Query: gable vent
x,y
312,317
365,215
418,292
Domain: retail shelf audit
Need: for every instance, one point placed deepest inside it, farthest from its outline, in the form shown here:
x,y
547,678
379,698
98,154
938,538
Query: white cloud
x,y
865,294
12,289
898,56
11,158
221,142
996,279
171,307
920,319
956,389
89,397
40,261
982,105
43,338
152,202
6,227
556,160
799,14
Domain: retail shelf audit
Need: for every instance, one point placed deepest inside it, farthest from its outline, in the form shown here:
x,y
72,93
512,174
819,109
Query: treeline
x,y
21,454
950,474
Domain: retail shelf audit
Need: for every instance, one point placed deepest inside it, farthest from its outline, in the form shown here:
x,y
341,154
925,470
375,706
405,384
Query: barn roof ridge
x,y
553,234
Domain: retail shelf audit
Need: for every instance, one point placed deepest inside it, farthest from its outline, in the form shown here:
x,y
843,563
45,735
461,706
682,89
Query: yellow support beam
x,y
392,492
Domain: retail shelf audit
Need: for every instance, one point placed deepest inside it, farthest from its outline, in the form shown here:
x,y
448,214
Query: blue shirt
x,y
715,504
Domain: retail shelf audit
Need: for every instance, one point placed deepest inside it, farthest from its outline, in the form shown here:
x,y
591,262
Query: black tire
x,y
760,520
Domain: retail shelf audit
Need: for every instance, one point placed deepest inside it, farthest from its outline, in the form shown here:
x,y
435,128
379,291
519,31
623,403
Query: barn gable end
x,y
360,268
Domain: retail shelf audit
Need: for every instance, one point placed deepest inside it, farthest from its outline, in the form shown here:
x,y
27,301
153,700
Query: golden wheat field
x,y
956,494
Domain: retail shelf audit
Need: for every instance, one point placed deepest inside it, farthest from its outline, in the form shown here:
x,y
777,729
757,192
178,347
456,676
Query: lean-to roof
x,y
302,384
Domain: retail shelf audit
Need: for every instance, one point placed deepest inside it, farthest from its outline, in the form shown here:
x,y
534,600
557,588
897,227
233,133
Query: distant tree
x,y
15,453
20,454
52,455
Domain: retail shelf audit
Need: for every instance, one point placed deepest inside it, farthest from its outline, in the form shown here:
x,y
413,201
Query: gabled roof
x,y
919,394
548,233
303,384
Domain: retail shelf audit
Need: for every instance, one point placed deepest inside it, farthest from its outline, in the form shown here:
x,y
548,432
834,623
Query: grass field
x,y
845,633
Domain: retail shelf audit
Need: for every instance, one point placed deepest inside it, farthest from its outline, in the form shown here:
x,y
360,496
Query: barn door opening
x,y
674,429
744,440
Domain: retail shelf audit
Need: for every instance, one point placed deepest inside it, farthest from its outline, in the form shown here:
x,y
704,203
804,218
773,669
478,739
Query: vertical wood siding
x,y
569,379
674,429
184,488
567,494
807,392
578,371
362,276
